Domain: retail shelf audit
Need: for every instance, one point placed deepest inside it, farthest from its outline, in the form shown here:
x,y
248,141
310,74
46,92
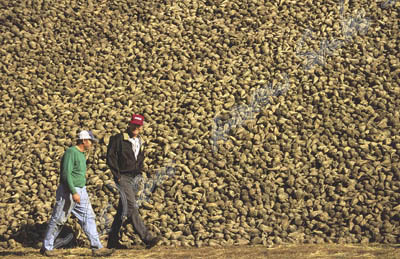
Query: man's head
x,y
136,124
86,139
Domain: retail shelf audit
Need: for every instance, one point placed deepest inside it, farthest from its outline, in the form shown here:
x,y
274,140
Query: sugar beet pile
x,y
319,163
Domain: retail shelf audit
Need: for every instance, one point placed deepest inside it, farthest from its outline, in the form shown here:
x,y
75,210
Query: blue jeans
x,y
61,212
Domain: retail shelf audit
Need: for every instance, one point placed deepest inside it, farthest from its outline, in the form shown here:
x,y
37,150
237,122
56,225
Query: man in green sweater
x,y
71,196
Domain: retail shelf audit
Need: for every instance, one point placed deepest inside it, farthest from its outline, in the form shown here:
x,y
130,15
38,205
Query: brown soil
x,y
281,252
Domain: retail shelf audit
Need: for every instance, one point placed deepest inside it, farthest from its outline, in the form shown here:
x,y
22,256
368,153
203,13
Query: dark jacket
x,y
121,158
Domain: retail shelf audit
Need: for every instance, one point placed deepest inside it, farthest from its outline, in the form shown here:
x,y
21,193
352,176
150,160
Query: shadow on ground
x,y
32,236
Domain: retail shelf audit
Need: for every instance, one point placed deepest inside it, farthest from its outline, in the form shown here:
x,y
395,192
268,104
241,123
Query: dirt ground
x,y
281,252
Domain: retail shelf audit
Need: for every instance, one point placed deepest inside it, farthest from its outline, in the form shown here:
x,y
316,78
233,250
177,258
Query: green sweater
x,y
73,169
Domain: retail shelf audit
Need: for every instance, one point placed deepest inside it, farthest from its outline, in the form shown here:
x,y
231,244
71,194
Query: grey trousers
x,y
61,212
129,188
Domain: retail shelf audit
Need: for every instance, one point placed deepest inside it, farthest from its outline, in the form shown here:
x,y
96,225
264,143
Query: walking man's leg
x,y
113,237
83,211
128,188
129,193
137,221
61,212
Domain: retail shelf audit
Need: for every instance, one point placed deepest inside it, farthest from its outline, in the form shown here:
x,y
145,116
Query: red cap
x,y
137,119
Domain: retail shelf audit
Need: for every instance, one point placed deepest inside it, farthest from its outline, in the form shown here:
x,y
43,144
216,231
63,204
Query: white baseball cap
x,y
87,134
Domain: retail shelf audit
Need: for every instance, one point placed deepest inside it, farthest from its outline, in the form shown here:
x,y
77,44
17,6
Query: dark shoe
x,y
48,253
152,242
117,245
102,252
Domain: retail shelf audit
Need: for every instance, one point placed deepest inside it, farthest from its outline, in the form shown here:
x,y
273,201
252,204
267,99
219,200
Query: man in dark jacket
x,y
125,158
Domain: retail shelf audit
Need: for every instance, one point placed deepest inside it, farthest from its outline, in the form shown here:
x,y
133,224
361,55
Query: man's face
x,y
87,144
136,132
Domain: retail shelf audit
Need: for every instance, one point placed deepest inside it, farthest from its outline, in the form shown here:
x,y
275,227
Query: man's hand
x,y
76,198
117,179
